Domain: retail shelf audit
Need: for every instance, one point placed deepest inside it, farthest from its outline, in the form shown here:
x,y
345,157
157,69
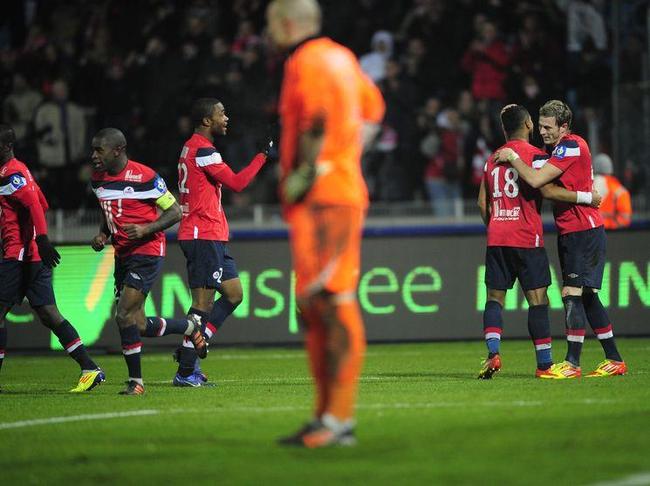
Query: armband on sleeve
x,y
166,201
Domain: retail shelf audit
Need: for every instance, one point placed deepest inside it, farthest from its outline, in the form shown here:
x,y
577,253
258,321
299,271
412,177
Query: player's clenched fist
x,y
596,199
98,242
135,231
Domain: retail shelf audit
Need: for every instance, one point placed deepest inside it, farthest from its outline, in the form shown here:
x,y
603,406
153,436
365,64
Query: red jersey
x,y
22,212
130,198
515,218
572,156
201,174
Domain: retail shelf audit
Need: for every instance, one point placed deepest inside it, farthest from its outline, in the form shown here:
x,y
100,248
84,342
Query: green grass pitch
x,y
423,418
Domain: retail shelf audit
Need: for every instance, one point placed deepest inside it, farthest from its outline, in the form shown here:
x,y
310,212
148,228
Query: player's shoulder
x,y
13,176
569,146
528,150
138,172
321,52
13,166
207,155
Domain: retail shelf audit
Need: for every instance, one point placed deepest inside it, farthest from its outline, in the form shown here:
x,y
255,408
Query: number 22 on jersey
x,y
510,188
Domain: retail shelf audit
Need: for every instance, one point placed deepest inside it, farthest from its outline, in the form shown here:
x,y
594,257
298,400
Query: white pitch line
x,y
75,418
299,354
294,408
396,406
640,479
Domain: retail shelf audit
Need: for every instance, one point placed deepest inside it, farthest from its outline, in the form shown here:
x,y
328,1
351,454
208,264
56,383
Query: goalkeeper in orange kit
x,y
327,107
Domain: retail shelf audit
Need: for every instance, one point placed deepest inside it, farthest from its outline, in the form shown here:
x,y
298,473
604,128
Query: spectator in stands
x,y
140,59
19,107
60,127
487,61
616,206
398,139
215,65
444,170
585,22
374,62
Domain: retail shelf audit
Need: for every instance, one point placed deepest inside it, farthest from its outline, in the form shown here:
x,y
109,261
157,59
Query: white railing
x,y
81,225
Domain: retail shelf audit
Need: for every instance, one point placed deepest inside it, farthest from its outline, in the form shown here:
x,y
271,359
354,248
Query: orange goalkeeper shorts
x,y
326,248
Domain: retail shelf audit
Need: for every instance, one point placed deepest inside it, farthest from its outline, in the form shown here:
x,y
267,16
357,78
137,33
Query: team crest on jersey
x,y
559,152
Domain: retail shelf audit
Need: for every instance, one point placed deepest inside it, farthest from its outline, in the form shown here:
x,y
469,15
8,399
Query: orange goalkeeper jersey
x,y
323,80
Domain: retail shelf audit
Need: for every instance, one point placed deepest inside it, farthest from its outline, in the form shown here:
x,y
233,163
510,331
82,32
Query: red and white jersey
x,y
572,156
515,207
130,198
18,191
199,186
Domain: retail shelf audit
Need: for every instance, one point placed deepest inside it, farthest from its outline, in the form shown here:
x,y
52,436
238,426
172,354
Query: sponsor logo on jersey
x,y
160,184
129,190
130,176
511,214
559,152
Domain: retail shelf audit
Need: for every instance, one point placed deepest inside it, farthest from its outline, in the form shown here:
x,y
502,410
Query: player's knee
x,y
123,318
590,298
49,316
537,297
498,296
571,291
236,298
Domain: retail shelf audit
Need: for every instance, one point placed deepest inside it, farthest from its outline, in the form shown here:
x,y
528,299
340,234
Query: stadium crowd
x,y
445,68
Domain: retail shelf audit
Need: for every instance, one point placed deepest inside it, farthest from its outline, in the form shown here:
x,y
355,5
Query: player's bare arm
x,y
298,182
483,203
535,178
168,218
558,193
100,239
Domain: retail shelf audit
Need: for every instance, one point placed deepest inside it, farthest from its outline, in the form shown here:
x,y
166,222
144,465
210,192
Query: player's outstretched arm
x,y
237,181
534,178
561,194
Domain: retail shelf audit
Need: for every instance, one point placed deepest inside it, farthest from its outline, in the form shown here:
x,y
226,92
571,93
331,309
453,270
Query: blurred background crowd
x,y
445,67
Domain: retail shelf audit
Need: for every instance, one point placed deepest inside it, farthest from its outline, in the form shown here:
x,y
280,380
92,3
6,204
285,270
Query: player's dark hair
x,y
112,136
202,108
7,134
559,110
513,118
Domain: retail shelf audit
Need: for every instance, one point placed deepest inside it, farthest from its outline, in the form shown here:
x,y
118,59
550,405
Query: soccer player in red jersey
x,y
581,240
28,258
203,233
515,241
130,195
